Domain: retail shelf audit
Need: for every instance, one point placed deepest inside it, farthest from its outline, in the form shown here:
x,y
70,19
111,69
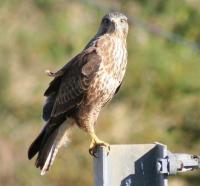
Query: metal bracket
x,y
140,164
177,162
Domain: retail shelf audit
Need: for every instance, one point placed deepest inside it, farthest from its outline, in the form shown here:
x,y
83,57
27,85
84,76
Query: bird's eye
x,y
123,20
106,21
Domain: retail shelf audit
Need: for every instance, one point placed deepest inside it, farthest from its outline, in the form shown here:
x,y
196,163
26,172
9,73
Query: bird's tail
x,y
47,144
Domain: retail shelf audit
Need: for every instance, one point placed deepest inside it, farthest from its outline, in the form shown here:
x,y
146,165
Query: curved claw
x,y
94,146
108,149
93,152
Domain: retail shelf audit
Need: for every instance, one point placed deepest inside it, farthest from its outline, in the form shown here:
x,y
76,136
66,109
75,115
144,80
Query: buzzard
x,y
81,88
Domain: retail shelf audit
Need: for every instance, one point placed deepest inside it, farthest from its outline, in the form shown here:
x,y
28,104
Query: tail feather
x,y
35,146
47,146
46,150
50,159
45,163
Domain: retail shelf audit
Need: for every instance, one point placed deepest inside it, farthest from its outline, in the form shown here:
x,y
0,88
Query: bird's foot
x,y
49,73
53,74
97,143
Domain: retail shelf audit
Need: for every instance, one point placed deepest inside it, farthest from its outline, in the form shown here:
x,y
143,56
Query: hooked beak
x,y
114,25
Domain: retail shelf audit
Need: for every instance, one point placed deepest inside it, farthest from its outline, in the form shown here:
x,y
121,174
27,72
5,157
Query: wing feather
x,y
72,81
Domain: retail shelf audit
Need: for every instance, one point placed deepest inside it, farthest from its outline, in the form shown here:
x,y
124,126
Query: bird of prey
x,y
81,88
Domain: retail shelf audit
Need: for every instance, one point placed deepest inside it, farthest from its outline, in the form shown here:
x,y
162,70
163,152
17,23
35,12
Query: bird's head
x,y
114,23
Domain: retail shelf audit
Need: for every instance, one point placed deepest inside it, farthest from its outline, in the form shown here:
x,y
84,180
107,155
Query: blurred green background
x,y
159,99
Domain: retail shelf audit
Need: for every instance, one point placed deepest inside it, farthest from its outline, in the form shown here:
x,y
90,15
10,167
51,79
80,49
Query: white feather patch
x,y
61,139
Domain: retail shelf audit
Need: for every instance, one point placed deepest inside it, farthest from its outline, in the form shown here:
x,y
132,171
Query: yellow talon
x,y
95,143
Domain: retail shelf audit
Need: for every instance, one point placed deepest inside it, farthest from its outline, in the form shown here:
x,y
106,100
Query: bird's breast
x,y
111,71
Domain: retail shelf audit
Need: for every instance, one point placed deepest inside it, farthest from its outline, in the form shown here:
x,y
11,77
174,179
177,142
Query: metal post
x,y
140,165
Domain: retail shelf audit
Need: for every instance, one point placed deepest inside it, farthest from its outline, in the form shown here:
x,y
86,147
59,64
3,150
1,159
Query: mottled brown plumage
x,y
81,88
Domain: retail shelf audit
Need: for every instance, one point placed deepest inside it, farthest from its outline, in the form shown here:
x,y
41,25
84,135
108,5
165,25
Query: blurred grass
x,y
159,99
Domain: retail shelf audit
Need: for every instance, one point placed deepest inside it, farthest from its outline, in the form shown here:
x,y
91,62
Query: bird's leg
x,y
95,143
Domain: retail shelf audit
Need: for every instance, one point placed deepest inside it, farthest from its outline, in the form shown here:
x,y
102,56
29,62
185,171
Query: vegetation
x,y
159,99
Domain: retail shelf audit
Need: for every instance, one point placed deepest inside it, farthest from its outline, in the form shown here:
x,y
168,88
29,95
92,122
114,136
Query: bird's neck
x,y
117,37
